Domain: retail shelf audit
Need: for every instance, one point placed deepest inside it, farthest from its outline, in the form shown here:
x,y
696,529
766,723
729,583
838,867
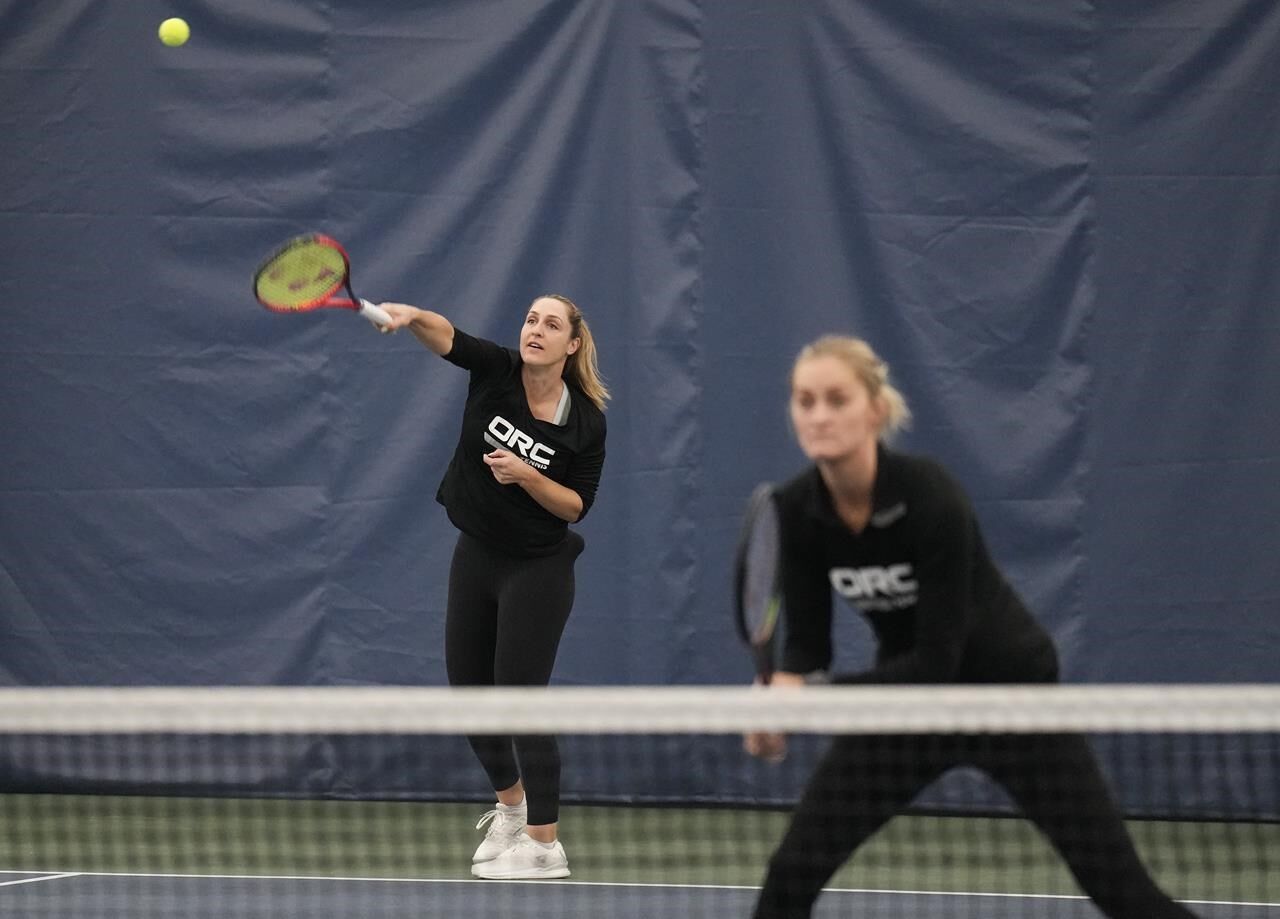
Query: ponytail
x,y
581,368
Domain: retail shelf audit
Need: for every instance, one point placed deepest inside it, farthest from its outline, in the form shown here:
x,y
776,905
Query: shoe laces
x,y
501,822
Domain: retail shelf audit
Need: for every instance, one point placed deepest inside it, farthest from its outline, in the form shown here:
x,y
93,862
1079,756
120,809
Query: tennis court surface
x,y
149,803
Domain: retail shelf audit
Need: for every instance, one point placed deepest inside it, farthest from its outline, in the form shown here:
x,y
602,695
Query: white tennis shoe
x,y
526,859
505,823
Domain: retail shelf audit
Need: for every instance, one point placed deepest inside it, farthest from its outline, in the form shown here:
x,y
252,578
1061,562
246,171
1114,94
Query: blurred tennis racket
x,y
758,587
305,274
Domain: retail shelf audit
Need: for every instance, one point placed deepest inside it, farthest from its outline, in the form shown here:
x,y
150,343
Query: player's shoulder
x,y
585,429
478,354
591,415
799,493
796,486
914,468
922,481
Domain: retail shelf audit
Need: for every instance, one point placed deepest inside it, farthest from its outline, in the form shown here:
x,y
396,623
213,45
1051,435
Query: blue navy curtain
x,y
1056,221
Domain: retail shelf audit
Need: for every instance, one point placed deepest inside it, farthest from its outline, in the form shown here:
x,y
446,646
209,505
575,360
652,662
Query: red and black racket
x,y
305,274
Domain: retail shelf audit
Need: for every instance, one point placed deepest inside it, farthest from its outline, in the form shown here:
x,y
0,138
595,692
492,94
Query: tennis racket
x,y
305,274
758,587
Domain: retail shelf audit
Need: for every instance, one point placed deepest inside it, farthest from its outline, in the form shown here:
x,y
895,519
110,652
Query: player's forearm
x,y
432,329
555,498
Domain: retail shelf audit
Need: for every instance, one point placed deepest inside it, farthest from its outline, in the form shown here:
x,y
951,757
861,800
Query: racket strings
x,y
304,274
759,585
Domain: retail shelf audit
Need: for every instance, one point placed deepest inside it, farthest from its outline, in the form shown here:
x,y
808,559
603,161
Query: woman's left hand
x,y
507,468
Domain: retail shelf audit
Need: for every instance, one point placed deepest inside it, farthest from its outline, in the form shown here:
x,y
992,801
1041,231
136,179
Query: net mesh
x,y
328,802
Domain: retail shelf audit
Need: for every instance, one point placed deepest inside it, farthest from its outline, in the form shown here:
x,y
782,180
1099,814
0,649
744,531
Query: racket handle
x,y
375,314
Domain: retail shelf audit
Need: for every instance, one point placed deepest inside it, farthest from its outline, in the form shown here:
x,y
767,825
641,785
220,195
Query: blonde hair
x,y
581,367
872,372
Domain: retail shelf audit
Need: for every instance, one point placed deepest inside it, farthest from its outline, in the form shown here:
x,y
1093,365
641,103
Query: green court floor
x,y
1237,862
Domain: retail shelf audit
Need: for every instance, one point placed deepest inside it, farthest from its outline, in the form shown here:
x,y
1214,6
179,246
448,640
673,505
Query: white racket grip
x,y
375,314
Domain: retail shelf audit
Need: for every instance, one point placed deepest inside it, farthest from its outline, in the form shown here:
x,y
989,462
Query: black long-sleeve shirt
x,y
920,573
497,416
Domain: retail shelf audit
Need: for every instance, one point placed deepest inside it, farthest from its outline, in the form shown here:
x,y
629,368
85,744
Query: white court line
x,y
47,877
544,882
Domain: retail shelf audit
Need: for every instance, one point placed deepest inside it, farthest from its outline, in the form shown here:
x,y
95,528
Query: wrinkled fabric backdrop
x,y
1058,222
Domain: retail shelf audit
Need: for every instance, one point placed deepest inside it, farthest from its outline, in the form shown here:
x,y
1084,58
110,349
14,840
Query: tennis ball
x,y
174,32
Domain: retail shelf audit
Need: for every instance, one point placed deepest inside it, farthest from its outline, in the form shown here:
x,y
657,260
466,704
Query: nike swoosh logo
x,y
889,515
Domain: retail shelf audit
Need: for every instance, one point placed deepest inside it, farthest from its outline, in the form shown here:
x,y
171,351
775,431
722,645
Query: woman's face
x,y
545,337
831,411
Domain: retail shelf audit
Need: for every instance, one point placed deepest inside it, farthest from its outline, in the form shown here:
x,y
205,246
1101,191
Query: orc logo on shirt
x,y
504,435
876,587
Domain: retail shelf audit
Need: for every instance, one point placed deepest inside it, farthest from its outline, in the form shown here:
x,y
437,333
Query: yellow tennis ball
x,y
174,32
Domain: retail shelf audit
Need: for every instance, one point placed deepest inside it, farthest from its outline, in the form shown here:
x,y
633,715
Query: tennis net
x,y
363,801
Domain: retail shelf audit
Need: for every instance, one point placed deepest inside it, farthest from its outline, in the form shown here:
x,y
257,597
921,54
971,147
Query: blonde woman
x,y
896,536
526,466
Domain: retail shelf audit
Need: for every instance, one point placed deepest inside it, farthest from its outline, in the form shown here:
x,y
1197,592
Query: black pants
x,y
502,628
864,780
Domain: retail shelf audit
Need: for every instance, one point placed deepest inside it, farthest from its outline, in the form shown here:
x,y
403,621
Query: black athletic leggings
x,y
864,780
502,628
